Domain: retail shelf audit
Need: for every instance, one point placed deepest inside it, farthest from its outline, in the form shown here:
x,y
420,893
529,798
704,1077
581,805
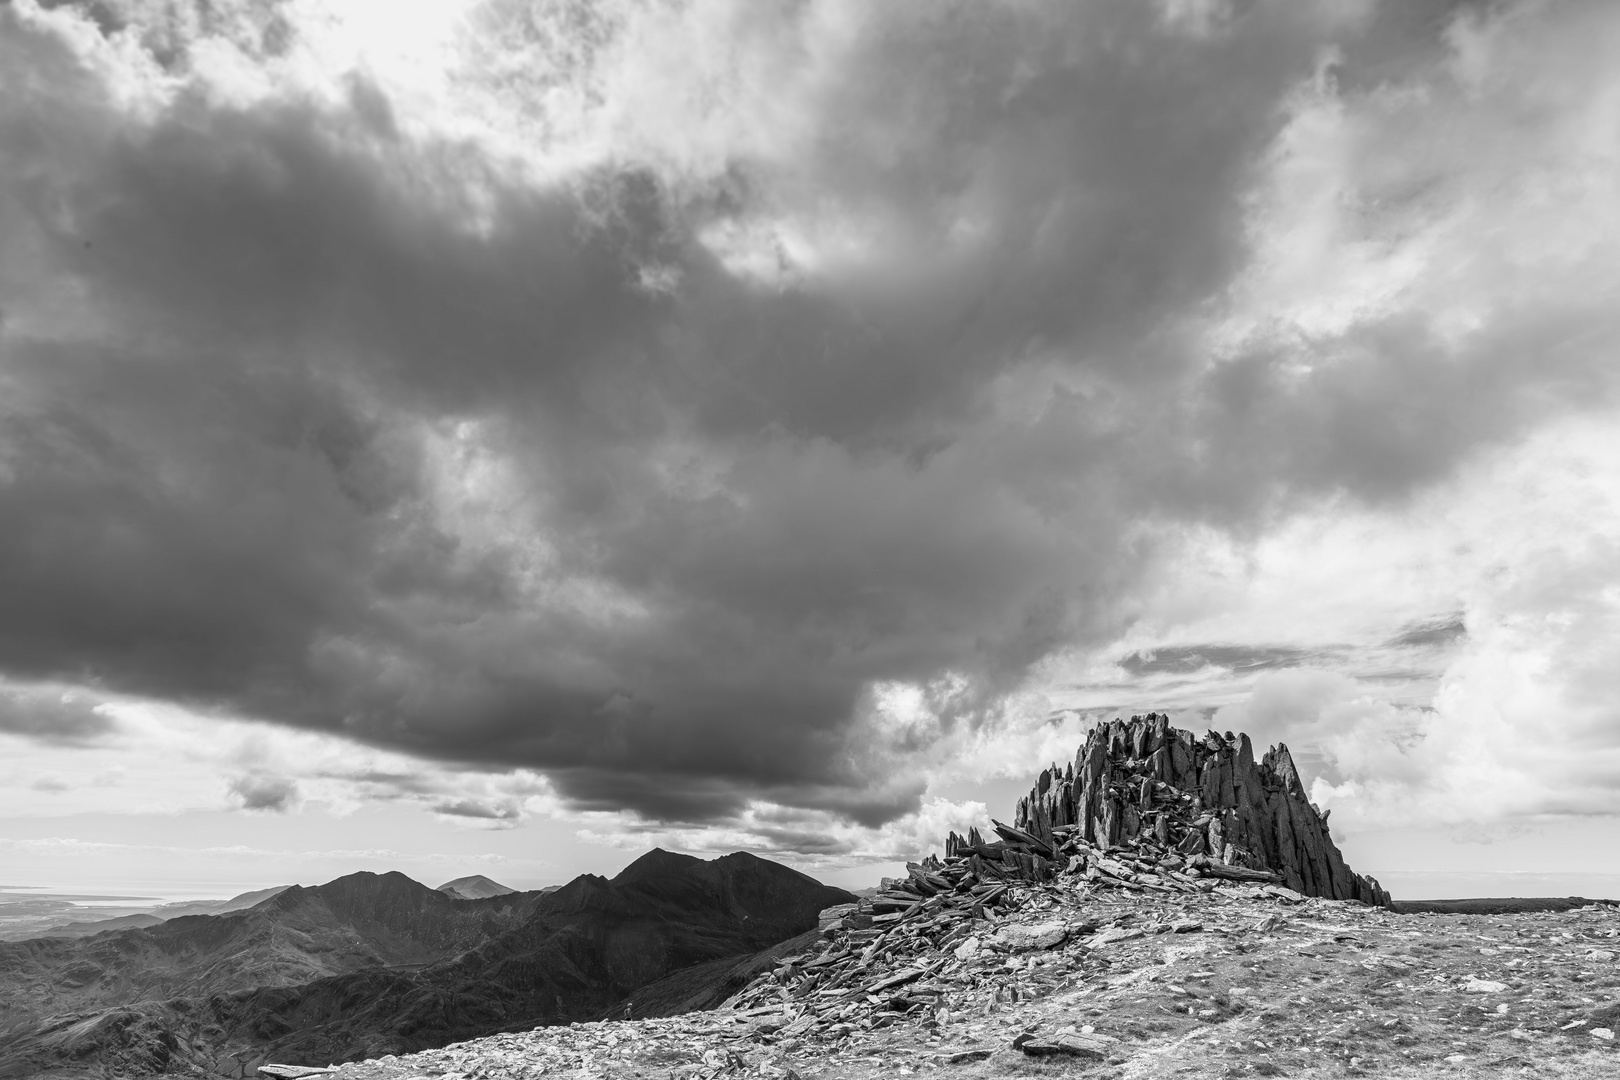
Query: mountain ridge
x,y
379,963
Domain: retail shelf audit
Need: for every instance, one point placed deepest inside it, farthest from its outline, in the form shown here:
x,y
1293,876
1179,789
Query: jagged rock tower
x,y
1143,779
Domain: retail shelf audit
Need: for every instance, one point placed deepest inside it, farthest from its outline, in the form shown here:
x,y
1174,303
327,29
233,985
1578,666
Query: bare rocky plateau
x,y
1067,979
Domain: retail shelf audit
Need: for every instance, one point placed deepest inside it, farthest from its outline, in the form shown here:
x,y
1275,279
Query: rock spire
x,y
1143,781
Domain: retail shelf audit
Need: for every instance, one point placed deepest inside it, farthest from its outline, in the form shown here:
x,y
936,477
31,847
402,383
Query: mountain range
x,y
372,964
49,915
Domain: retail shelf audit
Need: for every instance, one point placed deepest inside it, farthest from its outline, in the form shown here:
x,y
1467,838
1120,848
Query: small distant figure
x,y
627,1011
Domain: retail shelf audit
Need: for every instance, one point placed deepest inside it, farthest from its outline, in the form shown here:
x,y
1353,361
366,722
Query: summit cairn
x,y
1191,806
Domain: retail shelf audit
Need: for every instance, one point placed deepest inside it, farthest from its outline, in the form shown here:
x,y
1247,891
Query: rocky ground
x,y
1059,980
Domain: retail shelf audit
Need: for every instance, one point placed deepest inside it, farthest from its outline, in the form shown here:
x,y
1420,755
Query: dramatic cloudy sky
x,y
504,434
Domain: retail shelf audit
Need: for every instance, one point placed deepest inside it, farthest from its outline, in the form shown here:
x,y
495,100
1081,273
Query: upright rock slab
x,y
1205,797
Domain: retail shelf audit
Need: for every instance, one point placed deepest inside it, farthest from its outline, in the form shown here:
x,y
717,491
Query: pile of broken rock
x,y
1144,790
883,956
1118,819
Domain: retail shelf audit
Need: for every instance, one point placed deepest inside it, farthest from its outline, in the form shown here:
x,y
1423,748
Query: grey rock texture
x,y
1205,797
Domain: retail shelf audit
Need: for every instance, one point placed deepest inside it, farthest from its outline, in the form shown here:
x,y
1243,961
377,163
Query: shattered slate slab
x,y
1091,1047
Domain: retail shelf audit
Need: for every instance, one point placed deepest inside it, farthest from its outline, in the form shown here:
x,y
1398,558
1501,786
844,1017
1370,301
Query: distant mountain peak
x,y
474,887
361,891
658,863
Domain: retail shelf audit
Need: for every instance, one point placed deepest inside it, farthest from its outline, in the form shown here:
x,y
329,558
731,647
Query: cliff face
x,y
1199,795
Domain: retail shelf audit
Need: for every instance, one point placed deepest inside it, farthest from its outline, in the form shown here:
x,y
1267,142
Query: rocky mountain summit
x,y
1201,801
1109,826
1140,919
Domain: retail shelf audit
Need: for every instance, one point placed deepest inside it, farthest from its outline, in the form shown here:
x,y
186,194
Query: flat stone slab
x,y
1484,986
1110,937
1090,1047
1043,935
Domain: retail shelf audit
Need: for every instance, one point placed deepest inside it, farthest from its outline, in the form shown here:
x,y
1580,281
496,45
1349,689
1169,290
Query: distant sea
x,y
27,909
149,892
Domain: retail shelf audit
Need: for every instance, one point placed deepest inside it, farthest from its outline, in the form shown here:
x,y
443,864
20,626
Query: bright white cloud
x,y
1521,718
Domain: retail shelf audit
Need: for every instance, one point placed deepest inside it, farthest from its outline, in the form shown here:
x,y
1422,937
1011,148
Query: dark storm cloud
x,y
478,809
1388,406
272,794
1435,633
314,422
53,717
384,785
1240,658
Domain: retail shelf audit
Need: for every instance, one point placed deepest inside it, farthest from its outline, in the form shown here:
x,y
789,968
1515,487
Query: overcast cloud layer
x,y
746,414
